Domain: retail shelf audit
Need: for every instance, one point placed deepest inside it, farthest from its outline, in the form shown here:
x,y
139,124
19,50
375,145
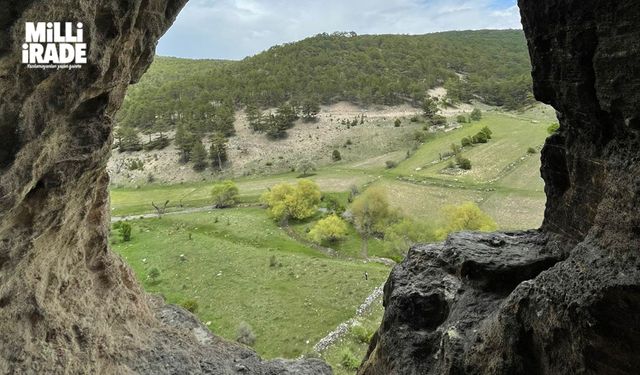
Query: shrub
x,y
419,136
157,144
332,204
348,360
224,194
480,138
461,119
531,150
486,131
476,115
415,119
455,149
154,274
191,305
330,229
390,164
135,165
306,166
335,156
438,120
463,163
397,123
245,335
466,142
273,262
353,192
348,143
125,231
361,333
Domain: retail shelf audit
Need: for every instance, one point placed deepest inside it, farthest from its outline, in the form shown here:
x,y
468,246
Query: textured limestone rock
x,y
68,304
566,299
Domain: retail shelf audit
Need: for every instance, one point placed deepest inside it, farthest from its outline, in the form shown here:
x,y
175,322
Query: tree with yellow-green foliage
x,y
224,194
467,216
287,201
330,229
371,214
401,235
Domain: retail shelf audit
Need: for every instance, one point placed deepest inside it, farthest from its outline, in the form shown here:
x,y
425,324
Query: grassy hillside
x,y
227,270
367,69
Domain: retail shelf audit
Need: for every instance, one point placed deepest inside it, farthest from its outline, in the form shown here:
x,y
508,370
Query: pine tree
x,y
199,156
184,141
218,150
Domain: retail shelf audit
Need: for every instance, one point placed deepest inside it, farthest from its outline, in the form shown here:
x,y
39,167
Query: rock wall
x,y
67,303
564,299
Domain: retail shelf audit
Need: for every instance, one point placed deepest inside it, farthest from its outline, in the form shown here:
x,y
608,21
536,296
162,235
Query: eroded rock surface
x,y
67,303
565,299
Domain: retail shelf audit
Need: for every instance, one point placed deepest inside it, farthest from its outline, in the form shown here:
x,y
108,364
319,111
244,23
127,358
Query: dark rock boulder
x,y
565,299
67,303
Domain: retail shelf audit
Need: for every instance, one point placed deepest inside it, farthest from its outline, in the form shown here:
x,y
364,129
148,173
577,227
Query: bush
x,y
273,262
157,144
390,164
397,123
154,274
476,115
415,119
330,229
419,136
463,163
480,138
486,131
348,360
245,335
224,194
438,120
335,156
135,165
466,142
348,143
531,150
332,204
191,305
361,333
461,119
125,231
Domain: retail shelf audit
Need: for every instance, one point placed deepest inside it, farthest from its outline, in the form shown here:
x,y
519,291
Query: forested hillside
x,y
370,69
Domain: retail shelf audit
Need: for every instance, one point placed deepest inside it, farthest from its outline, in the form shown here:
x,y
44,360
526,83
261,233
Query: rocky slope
x,y
565,299
67,303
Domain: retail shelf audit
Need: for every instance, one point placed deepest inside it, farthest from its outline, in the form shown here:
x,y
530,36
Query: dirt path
x,y
115,219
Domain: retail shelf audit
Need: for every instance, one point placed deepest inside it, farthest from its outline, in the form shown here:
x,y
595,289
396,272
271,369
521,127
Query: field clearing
x,y
526,176
510,140
515,210
426,201
290,306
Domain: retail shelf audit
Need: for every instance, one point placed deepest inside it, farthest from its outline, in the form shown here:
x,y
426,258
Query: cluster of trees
x,y
192,149
327,68
370,214
275,125
483,136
